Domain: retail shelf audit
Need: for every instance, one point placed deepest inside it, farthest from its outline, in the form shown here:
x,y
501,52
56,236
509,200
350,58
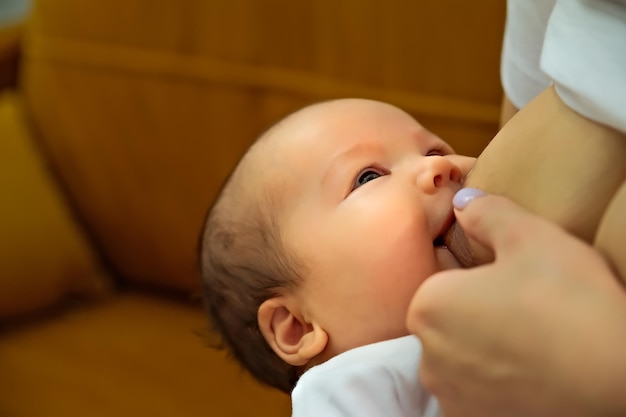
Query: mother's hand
x,y
541,331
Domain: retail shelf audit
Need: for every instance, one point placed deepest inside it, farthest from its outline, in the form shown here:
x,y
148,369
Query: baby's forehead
x,y
348,115
329,125
293,141
327,112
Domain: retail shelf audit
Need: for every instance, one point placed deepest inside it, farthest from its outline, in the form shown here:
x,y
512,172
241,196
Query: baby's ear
x,y
292,338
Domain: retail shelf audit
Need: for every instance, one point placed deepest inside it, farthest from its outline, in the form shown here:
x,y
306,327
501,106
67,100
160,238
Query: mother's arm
x,y
611,236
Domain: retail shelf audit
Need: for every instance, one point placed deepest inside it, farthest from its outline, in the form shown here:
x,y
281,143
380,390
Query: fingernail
x,y
463,197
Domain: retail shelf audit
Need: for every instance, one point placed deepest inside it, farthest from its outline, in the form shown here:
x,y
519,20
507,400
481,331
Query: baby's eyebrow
x,y
354,151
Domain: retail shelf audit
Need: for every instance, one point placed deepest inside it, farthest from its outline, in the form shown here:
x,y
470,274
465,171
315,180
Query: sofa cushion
x,y
10,36
134,355
141,139
145,109
45,257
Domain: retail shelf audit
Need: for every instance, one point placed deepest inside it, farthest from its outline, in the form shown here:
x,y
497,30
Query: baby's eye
x,y
436,152
366,176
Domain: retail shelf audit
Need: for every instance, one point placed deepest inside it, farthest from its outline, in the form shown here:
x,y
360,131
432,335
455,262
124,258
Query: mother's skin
x,y
541,330
561,166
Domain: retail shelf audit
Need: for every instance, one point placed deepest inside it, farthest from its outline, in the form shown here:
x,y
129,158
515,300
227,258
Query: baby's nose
x,y
437,172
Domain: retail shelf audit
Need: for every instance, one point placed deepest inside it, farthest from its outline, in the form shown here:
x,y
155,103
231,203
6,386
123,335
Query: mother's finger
x,y
494,221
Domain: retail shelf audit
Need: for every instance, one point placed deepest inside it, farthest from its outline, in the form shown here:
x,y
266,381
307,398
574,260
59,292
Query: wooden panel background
x,y
144,106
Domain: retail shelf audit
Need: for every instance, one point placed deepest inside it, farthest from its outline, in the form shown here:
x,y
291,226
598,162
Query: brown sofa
x,y
118,121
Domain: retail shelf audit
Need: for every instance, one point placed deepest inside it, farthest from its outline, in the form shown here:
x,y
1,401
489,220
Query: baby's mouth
x,y
445,257
441,241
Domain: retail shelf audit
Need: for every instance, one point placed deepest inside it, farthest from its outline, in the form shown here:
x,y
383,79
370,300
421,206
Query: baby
x,y
315,246
291,282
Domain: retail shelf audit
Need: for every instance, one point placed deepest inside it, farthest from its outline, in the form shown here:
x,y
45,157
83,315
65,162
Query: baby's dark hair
x,y
243,262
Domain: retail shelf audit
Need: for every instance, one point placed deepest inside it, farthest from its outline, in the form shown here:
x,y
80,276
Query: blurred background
x,y
119,119
12,11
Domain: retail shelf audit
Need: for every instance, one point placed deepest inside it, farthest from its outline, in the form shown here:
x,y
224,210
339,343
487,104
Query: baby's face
x,y
367,191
